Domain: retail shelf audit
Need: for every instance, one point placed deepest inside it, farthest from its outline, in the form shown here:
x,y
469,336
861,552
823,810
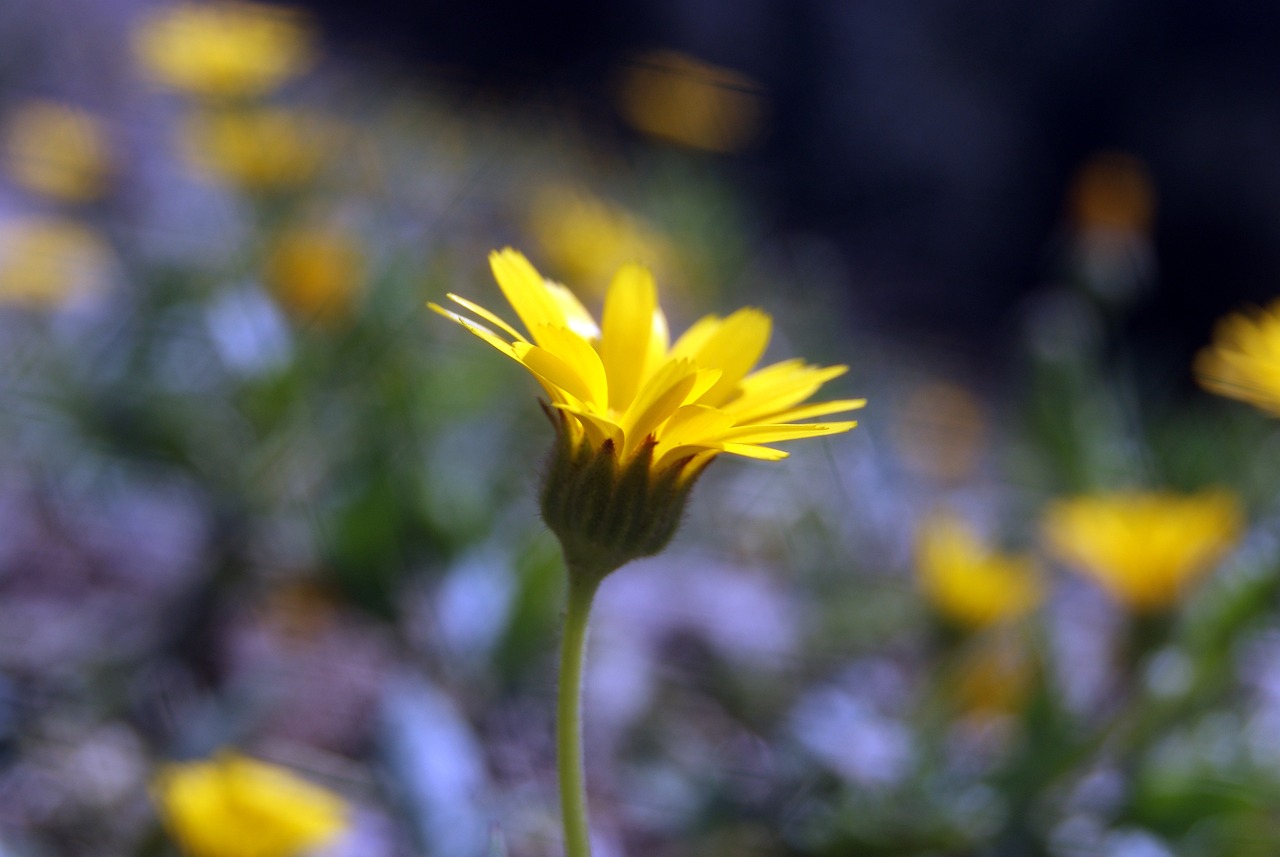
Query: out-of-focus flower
x,y
316,272
1145,549
969,583
638,418
587,239
1243,362
260,149
994,675
224,49
683,100
235,806
1113,191
940,431
45,262
1112,203
57,151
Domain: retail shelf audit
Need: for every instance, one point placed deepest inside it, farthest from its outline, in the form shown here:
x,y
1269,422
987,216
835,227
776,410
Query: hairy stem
x,y
573,795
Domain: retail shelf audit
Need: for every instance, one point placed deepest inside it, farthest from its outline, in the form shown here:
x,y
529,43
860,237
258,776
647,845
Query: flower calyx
x,y
605,511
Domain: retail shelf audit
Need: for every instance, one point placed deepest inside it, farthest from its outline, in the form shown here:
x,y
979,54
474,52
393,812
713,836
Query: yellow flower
x,y
315,271
588,239
258,149
640,417
967,582
224,49
680,99
235,806
1145,549
57,151
1244,360
993,675
1113,191
45,262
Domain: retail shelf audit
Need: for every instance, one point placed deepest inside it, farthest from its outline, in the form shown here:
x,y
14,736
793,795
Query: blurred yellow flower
x,y
57,151
638,417
1113,191
45,262
1243,362
224,49
940,431
259,149
235,806
674,97
1145,549
994,675
316,272
587,239
969,583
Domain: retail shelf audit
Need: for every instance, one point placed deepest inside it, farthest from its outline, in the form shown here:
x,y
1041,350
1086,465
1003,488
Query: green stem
x,y
573,794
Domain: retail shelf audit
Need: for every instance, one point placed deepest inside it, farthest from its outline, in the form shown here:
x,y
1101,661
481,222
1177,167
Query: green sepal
x,y
607,512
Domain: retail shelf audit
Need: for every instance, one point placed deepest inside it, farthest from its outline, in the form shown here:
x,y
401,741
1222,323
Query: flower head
x,y
680,99
640,416
46,261
224,49
969,583
1145,549
1244,360
257,149
994,675
235,806
316,272
57,151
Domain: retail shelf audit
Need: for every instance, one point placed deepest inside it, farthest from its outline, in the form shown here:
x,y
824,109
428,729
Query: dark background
x,y
933,141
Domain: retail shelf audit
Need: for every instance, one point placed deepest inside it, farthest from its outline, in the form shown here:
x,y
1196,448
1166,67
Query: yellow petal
x,y
576,315
661,396
693,339
490,317
598,428
733,348
764,453
659,338
779,387
478,329
526,291
694,424
577,353
679,453
707,379
555,371
627,333
772,433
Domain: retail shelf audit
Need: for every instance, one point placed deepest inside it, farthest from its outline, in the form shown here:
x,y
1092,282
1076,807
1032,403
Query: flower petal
x,y
560,374
733,347
598,428
778,387
764,453
695,424
526,291
576,315
661,396
579,354
627,333
488,316
478,329
791,431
